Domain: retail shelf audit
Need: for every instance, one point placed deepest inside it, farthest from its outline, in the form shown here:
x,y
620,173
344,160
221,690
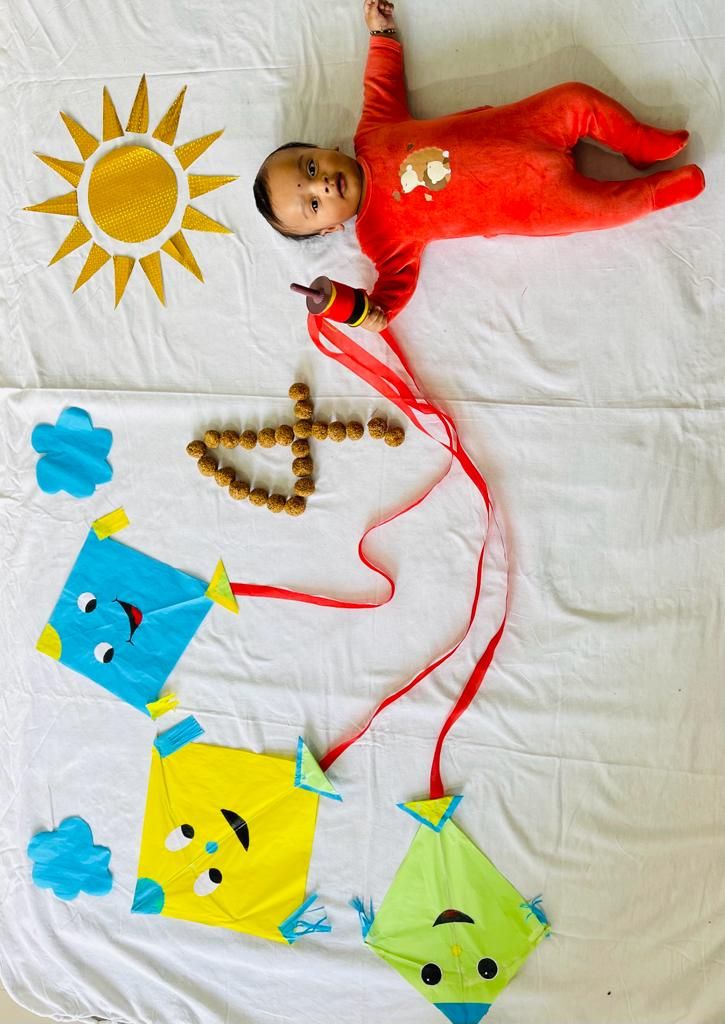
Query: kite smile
x,y
453,917
134,616
239,826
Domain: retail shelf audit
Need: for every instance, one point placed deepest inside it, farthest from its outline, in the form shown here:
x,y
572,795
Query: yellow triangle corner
x,y
220,591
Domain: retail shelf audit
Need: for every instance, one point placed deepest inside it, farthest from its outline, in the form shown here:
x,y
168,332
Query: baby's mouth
x,y
341,184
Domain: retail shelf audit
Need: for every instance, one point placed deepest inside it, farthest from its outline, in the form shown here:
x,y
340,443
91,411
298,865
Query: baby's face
x,y
313,190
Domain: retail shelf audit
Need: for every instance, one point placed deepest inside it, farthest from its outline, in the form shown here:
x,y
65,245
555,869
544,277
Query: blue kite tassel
x,y
178,736
366,915
296,927
534,907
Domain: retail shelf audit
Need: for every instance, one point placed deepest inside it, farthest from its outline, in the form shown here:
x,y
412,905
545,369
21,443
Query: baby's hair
x,y
262,198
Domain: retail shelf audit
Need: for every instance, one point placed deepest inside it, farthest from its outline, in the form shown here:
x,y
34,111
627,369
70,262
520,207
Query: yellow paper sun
x,y
133,192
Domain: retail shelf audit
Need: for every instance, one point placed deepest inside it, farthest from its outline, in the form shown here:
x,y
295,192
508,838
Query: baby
x,y
487,171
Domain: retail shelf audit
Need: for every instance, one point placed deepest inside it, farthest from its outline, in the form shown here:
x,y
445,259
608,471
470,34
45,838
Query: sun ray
x,y
97,258
78,236
151,266
138,120
111,125
191,151
178,248
199,184
168,126
68,169
122,267
65,206
195,220
86,143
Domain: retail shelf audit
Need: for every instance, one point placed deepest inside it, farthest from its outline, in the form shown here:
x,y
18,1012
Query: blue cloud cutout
x,y
67,861
75,451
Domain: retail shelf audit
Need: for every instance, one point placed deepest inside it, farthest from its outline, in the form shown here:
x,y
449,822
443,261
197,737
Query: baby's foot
x,y
655,144
678,186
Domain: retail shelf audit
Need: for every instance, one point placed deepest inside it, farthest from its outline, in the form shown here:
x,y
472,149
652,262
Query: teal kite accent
x,y
178,736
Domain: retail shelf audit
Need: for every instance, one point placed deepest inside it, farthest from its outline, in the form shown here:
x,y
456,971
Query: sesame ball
x,y
239,490
299,392
303,409
207,465
319,430
284,434
276,502
300,448
336,431
258,496
248,439
394,436
377,426
266,438
302,467
305,486
295,506
355,430
196,449
212,438
302,428
230,438
224,476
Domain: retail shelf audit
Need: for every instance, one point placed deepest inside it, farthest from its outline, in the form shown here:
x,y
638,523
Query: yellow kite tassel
x,y
157,708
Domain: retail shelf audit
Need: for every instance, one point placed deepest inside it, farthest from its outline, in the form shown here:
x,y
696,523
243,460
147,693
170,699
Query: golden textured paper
x,y
133,193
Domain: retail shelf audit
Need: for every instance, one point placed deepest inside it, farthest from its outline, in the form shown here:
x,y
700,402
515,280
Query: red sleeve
x,y
384,97
397,278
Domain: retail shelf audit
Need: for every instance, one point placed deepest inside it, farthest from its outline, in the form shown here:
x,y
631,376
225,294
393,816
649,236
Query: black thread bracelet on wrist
x,y
383,31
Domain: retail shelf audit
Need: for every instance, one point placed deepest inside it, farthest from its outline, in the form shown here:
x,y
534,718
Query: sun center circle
x,y
132,193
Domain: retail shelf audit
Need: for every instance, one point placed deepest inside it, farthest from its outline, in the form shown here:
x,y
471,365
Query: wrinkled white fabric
x,y
587,375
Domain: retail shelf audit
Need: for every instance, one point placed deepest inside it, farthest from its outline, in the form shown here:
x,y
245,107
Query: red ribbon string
x,y
389,384
416,408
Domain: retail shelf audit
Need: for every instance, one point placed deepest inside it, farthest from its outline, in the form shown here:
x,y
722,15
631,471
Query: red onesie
x,y
494,171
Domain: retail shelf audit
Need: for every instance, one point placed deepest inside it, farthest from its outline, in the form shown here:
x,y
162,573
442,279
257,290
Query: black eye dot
x,y
215,875
187,831
487,968
431,974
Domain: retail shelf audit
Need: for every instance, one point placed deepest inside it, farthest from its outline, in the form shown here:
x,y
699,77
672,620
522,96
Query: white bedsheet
x,y
587,375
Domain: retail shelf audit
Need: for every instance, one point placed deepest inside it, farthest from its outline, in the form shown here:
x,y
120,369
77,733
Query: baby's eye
x,y
315,204
311,168
207,882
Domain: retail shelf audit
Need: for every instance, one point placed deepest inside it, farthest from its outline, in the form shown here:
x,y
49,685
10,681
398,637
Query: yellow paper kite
x,y
132,190
227,837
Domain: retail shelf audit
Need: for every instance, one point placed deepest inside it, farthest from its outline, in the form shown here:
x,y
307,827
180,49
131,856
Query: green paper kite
x,y
450,923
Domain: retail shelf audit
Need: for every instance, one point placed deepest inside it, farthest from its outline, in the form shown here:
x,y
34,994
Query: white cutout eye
x,y
179,837
103,653
207,882
87,602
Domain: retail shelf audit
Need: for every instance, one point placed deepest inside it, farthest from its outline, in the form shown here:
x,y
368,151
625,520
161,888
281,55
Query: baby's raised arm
x,y
378,16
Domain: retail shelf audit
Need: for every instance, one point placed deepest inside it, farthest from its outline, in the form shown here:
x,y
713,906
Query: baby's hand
x,y
376,320
378,15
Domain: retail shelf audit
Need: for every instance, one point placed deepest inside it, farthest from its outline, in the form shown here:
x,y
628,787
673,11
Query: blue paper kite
x,y
124,619
75,451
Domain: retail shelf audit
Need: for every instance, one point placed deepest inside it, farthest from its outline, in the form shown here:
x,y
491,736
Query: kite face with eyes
x,y
453,926
227,839
124,619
